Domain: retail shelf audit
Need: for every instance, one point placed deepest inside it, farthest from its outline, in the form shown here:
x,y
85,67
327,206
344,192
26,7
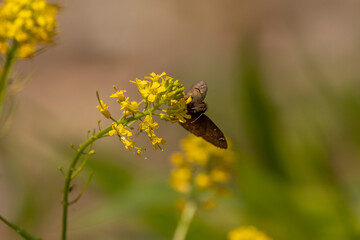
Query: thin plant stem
x,y
186,217
79,153
69,174
4,75
19,230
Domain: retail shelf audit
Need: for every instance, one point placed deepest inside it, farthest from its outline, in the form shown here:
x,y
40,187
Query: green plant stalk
x,y
80,150
186,217
19,230
9,62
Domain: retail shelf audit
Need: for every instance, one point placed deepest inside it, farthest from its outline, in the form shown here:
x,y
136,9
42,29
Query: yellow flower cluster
x,y
148,125
247,233
201,167
26,23
157,91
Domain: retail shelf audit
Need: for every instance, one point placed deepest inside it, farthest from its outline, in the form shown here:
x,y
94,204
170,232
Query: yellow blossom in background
x,y
177,159
247,233
207,168
181,179
220,175
202,180
26,23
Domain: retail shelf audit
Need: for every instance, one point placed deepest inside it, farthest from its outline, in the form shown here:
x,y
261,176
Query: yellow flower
x,y
128,143
119,95
143,87
177,159
149,91
3,47
177,112
161,89
28,22
129,106
155,77
119,129
209,168
202,180
148,125
104,109
220,175
154,91
180,179
247,233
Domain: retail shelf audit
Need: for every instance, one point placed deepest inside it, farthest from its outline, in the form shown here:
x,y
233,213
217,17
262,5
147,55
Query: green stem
x,y
185,220
68,177
4,75
19,230
79,153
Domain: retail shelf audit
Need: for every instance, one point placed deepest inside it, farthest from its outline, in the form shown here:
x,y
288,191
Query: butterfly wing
x,y
200,125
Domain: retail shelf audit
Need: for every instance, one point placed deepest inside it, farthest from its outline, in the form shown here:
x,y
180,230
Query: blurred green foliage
x,y
287,176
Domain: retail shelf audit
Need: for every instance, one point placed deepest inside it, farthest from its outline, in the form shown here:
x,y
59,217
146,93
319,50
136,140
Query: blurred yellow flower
x,y
247,233
202,180
177,159
180,179
219,175
28,22
203,166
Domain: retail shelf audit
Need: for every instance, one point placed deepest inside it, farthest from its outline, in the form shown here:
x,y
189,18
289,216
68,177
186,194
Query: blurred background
x,y
283,85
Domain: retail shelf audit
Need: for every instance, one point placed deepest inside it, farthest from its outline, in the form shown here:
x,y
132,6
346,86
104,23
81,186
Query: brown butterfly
x,y
199,124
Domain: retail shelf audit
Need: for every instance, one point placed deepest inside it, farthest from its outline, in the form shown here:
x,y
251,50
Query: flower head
x,y
162,96
247,233
28,22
